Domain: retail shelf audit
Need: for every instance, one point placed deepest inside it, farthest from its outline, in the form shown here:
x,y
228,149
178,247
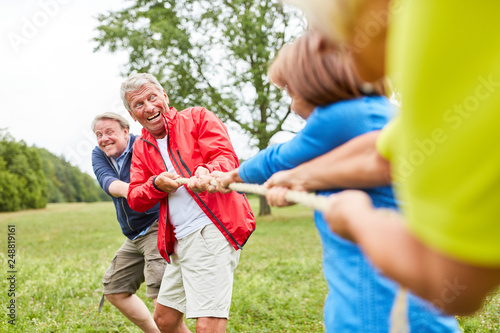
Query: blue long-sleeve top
x,y
131,222
360,298
326,128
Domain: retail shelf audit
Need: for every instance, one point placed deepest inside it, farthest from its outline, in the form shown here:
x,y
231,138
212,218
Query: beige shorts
x,y
136,261
199,280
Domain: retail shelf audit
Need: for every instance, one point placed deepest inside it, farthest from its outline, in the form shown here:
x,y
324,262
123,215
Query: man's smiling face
x,y
148,104
111,137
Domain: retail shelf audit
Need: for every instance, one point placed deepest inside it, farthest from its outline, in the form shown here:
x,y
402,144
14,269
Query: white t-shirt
x,y
185,214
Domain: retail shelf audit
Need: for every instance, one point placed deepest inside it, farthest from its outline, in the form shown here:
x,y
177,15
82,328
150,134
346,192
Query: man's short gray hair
x,y
113,116
134,82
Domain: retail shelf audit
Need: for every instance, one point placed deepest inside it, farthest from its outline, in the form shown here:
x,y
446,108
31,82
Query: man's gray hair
x,y
112,116
134,82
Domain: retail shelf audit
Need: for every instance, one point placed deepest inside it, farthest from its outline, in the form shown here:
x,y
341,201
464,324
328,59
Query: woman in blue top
x,y
327,93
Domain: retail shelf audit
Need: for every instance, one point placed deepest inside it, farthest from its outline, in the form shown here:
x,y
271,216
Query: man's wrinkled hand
x,y
165,181
200,181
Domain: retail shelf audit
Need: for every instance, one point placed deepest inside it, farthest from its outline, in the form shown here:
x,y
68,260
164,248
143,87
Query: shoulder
x,y
366,102
358,108
97,153
194,111
197,114
138,142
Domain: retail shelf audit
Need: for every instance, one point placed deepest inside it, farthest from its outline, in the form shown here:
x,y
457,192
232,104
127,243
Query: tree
x,y
9,195
30,177
67,183
23,181
213,53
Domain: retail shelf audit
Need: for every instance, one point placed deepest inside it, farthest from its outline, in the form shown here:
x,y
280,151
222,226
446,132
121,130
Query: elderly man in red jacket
x,y
200,233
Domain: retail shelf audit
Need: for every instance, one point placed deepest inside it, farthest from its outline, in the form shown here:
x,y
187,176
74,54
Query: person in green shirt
x,y
443,57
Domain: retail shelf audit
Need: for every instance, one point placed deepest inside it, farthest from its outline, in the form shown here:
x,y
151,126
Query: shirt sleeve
x,y
388,138
214,143
325,129
103,170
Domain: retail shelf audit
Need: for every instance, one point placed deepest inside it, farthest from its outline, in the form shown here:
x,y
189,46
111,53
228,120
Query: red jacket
x,y
195,137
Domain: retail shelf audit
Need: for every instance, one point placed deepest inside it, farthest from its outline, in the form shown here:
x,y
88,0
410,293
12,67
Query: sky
x,y
52,84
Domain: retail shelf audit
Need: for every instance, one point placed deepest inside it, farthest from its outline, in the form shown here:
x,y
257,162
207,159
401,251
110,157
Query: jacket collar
x,y
171,114
168,119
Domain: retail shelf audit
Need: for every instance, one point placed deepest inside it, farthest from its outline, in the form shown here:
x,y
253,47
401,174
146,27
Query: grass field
x,y
61,253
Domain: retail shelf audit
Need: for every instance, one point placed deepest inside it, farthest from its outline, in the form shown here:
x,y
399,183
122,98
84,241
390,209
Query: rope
x,y
309,200
399,317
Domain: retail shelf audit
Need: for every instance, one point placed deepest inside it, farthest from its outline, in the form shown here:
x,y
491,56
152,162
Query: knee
x,y
168,319
164,323
116,298
211,324
202,326
158,319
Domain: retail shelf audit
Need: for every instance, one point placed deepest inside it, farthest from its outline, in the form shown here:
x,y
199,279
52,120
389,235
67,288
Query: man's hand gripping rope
x,y
315,202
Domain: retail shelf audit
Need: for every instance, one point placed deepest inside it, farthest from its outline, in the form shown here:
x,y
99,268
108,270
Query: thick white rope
x,y
309,200
399,313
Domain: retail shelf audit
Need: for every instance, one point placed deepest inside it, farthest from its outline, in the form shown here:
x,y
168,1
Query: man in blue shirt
x,y
138,259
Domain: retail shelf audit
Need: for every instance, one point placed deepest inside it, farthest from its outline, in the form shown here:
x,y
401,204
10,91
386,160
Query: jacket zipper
x,y
196,194
183,164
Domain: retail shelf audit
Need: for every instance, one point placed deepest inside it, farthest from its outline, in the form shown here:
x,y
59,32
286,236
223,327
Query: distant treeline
x,y
31,177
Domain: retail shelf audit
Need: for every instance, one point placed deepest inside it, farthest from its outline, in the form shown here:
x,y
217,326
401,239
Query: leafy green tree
x,y
26,178
30,177
9,194
66,183
54,193
213,53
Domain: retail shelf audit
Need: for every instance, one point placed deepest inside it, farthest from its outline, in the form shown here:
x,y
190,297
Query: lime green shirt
x,y
444,58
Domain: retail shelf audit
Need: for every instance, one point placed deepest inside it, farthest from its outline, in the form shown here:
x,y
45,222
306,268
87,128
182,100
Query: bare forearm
x,y
456,287
118,189
356,164
384,240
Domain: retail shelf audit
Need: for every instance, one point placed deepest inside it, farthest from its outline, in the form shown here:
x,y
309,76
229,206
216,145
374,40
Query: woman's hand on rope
x,y
279,184
276,197
287,178
347,212
224,179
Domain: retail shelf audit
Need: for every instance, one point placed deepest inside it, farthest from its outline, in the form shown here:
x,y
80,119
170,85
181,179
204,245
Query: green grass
x,y
63,251
487,319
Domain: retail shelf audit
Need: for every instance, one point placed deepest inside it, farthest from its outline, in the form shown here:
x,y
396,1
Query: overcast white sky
x,y
52,84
